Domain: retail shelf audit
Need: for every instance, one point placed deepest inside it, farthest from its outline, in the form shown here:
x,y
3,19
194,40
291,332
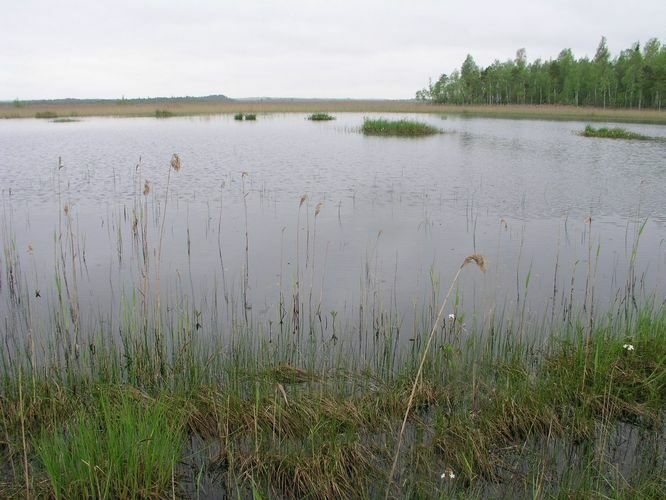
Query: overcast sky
x,y
298,48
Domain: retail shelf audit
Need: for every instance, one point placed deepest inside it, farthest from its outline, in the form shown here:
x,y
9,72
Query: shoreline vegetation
x,y
202,107
162,397
486,417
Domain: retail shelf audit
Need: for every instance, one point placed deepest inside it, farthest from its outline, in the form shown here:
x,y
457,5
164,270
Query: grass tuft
x,y
163,113
612,133
120,448
400,128
320,117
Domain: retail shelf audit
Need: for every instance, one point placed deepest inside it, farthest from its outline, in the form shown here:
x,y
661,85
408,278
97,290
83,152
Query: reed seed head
x,y
478,259
318,208
304,198
175,162
146,188
66,209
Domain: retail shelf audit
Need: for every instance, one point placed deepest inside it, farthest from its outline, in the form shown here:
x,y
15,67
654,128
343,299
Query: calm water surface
x,y
552,212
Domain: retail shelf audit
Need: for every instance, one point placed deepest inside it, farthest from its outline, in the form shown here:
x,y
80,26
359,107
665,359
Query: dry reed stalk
x,y
481,263
297,298
312,274
246,271
144,248
588,301
25,451
175,165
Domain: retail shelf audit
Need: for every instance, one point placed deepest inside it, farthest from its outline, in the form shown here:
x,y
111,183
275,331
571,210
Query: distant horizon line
x,y
209,97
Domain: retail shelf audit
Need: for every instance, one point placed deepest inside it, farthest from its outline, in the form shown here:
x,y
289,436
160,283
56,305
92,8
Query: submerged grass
x,y
401,128
612,133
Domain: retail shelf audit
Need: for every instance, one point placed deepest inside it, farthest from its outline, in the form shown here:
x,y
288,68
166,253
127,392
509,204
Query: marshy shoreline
x,y
582,416
169,402
199,107
163,388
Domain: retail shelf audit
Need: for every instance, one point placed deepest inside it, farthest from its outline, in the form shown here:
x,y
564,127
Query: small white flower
x,y
448,474
452,317
628,347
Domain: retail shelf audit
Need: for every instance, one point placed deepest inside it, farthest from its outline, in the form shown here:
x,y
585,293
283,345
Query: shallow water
x,y
553,213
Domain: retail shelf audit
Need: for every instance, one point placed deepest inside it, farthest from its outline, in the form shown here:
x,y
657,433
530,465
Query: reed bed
x,y
165,397
185,107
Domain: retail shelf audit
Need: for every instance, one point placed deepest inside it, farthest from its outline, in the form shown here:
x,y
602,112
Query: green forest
x,y
636,78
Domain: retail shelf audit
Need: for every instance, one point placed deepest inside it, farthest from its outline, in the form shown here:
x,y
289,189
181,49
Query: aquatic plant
x,y
319,117
400,128
612,133
163,113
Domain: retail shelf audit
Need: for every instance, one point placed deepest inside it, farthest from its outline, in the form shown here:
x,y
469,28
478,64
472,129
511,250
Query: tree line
x,y
634,79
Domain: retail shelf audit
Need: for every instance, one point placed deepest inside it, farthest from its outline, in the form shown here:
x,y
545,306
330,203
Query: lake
x,y
285,217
